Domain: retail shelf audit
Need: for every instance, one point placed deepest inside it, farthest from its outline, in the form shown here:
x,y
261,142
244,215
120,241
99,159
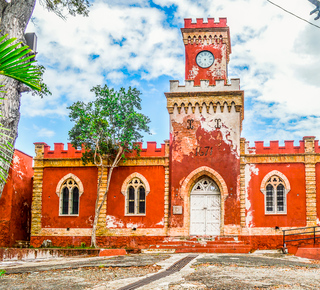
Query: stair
x,y
201,245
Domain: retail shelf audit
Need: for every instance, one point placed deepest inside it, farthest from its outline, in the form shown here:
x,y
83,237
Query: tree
x,y
14,17
14,63
107,128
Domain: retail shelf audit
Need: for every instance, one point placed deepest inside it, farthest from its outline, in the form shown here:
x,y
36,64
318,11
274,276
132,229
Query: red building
x,y
205,181
15,203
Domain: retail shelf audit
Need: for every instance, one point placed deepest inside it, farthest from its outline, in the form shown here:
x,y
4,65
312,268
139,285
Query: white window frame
x,y
275,178
129,181
64,182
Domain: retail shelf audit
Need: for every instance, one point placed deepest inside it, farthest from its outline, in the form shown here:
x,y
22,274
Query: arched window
x,y
136,197
275,195
69,197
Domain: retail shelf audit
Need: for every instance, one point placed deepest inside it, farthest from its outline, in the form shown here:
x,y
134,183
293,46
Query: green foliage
x,y
73,7
109,122
15,63
44,89
2,272
83,245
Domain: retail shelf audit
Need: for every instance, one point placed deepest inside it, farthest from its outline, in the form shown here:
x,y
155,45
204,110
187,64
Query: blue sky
x,y
138,43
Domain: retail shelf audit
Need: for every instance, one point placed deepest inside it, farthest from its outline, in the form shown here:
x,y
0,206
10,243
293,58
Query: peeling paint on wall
x,y
250,169
193,72
113,222
134,225
16,167
161,223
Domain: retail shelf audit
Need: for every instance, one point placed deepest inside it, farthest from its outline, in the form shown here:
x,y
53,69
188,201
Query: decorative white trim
x,y
131,176
63,179
271,173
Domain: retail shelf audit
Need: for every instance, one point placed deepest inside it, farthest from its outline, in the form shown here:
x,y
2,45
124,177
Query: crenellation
x,y
220,86
71,152
274,148
208,24
150,151
60,152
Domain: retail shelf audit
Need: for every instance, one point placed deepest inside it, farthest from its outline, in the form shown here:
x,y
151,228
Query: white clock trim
x,y
204,59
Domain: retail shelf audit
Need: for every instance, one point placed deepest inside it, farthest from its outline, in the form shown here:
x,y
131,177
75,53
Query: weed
x,y
2,272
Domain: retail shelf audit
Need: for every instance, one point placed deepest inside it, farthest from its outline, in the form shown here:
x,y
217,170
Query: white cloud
x,y
153,131
44,132
116,77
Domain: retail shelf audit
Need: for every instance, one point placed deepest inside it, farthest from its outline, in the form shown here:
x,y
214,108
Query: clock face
x,y
205,59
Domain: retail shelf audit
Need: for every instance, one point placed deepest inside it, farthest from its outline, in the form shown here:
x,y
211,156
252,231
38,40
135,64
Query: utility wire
x,y
293,14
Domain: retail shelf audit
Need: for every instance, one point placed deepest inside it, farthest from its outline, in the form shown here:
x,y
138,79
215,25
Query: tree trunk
x,y
14,19
99,206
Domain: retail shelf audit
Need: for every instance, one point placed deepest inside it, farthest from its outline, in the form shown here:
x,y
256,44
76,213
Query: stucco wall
x,y
154,217
50,200
15,203
296,198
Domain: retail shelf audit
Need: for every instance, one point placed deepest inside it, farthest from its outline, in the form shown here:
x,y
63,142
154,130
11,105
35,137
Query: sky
x,y
138,43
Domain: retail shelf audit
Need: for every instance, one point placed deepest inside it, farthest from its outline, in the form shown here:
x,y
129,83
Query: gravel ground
x,y
81,278
221,277
207,271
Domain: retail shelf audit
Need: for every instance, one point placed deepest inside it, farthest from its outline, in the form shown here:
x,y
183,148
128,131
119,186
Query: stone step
x,y
208,243
221,250
199,246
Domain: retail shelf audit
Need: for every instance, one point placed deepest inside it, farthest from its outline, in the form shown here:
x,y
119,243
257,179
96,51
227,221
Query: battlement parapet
x,y
150,151
60,153
274,148
204,86
201,24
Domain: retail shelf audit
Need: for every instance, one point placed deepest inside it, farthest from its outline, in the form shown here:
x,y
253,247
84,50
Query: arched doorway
x,y
205,199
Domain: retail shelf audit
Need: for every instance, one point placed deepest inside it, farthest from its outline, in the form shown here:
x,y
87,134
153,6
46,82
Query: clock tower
x,y
205,125
207,49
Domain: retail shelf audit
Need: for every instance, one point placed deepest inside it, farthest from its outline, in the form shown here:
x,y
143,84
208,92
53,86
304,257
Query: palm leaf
x,y
14,63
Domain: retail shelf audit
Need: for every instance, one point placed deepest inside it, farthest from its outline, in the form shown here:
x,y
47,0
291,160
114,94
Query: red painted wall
x,y
154,200
50,200
15,203
204,73
296,198
222,160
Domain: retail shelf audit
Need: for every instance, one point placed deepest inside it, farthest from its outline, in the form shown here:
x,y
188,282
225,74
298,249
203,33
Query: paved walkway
x,y
261,270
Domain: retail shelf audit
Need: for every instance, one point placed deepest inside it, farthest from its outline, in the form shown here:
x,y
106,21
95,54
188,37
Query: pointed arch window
x,y
69,198
275,187
69,190
136,198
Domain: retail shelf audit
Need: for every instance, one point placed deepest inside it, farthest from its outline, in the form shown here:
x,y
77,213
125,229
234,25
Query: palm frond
x,y
15,63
